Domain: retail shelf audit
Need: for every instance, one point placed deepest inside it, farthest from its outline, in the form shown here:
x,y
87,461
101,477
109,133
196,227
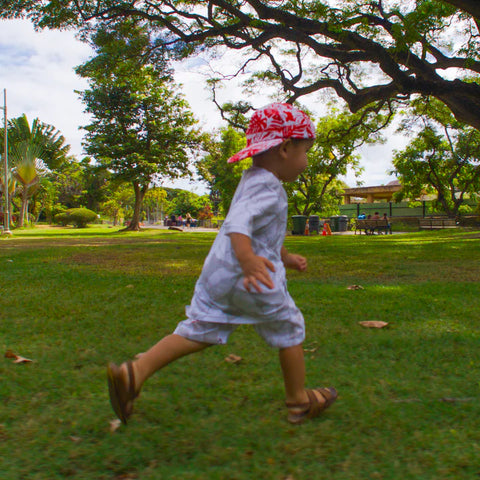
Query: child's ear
x,y
284,146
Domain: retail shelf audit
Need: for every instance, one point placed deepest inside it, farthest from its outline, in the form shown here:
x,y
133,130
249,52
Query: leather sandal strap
x,y
297,405
316,407
131,380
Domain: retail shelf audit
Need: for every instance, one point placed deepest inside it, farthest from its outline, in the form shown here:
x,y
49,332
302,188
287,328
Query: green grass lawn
x,y
408,407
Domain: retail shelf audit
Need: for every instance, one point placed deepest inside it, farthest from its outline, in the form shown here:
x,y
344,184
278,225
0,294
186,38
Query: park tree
x,y
69,184
141,128
156,204
189,202
34,150
443,157
95,184
222,177
120,201
371,53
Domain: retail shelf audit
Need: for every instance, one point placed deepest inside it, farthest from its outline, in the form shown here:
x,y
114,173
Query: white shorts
x,y
277,334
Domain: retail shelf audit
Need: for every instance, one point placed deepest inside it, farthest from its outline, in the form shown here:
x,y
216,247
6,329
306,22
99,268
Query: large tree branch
x,y
404,59
470,6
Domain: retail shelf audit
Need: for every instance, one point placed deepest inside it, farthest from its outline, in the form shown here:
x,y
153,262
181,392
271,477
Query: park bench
x,y
433,223
371,226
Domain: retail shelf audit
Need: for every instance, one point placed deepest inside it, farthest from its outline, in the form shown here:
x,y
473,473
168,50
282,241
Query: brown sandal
x,y
313,407
121,395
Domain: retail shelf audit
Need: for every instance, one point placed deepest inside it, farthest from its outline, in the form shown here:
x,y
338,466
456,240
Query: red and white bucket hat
x,y
271,125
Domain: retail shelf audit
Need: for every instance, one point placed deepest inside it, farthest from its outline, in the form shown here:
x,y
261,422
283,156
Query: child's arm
x,y
254,267
292,260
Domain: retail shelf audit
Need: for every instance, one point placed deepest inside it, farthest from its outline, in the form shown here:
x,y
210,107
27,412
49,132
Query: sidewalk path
x,y
203,229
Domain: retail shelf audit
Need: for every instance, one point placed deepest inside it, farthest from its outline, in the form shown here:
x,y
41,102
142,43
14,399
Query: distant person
x,y
376,216
389,226
243,279
188,220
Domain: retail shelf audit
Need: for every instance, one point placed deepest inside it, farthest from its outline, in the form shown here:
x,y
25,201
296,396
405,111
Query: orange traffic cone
x,y
326,229
307,229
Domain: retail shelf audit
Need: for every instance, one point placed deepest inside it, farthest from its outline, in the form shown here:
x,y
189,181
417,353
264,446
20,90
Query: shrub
x,y
79,217
61,218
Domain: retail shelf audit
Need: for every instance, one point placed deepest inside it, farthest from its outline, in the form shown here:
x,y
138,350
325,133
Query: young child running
x,y
243,279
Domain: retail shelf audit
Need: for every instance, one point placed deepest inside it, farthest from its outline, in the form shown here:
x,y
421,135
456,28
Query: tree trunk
x,y
23,209
134,225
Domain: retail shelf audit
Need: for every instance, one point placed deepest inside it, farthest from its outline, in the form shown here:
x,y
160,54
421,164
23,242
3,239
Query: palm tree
x,y
32,152
27,170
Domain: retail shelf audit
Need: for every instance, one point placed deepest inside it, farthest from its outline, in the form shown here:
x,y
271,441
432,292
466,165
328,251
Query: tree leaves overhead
x,y
368,52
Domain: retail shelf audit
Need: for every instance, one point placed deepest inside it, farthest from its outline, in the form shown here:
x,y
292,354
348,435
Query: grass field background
x,y
408,407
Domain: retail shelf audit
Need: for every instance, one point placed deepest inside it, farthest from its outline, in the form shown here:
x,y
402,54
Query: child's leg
x,y
167,350
301,403
126,380
293,368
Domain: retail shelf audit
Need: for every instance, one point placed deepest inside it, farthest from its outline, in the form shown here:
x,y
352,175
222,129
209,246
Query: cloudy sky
x,y
37,70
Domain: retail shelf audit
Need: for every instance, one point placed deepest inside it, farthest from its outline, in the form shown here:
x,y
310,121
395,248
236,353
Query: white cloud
x,y
37,69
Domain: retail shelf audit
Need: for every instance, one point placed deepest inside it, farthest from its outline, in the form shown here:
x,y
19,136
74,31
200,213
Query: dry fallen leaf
x,y
233,358
17,358
74,439
355,287
115,424
455,400
373,324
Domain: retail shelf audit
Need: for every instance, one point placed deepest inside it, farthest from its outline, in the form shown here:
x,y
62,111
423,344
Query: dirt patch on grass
x,y
135,261
81,242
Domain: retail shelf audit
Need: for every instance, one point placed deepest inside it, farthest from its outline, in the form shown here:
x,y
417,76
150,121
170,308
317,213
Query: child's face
x,y
293,159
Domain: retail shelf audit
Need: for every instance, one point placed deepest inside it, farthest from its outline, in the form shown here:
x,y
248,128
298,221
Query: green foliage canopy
x,y
223,177
33,150
443,157
369,52
338,136
141,128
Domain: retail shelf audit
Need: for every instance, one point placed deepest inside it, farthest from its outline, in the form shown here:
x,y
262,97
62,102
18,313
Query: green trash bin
x,y
334,223
314,223
299,223
342,223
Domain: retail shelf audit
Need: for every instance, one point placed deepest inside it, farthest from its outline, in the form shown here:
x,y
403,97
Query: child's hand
x,y
256,269
294,261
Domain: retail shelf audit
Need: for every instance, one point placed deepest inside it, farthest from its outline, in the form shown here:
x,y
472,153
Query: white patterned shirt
x,y
258,210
